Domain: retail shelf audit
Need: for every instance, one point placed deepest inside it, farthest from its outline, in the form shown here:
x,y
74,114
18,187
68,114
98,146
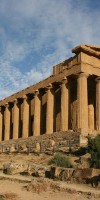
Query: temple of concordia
x,y
67,100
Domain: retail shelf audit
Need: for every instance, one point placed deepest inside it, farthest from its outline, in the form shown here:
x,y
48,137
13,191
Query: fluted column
x,y
91,117
25,130
50,110
15,120
37,112
98,104
1,123
64,104
82,103
7,122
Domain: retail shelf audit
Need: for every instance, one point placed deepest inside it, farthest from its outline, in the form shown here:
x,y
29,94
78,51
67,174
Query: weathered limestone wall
x,y
67,64
46,142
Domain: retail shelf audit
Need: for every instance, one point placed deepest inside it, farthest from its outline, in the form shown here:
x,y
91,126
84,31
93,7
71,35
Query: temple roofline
x,y
88,49
69,66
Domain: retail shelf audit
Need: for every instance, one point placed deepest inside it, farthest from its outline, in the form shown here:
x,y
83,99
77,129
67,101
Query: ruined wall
x,y
53,141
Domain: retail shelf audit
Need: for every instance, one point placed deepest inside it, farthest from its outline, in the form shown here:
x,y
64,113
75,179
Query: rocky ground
x,y
24,178
15,190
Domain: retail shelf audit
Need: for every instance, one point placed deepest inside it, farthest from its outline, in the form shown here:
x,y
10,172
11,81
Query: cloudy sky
x,y
37,34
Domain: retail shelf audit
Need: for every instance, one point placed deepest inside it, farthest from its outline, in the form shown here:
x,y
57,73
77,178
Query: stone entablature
x,y
86,55
69,99
66,65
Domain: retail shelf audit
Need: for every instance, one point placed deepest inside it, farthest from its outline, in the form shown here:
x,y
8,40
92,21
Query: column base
x,y
83,141
83,137
84,132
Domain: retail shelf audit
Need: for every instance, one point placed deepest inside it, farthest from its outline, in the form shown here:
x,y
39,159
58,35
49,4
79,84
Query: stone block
x,y
23,147
52,143
61,173
12,149
38,147
82,175
37,170
14,168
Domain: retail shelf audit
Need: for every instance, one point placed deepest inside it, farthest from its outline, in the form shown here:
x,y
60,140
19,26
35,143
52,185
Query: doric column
x,y
64,105
1,123
50,110
91,117
15,119
25,129
7,122
37,112
98,104
82,103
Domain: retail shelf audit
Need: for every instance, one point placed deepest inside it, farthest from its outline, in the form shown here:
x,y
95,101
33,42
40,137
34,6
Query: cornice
x,y
88,49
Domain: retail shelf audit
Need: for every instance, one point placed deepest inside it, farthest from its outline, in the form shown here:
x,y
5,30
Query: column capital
x,y
82,74
64,81
64,78
36,93
15,101
49,86
7,105
24,97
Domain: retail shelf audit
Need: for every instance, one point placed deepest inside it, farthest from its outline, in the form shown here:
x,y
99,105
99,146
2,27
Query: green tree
x,y
94,150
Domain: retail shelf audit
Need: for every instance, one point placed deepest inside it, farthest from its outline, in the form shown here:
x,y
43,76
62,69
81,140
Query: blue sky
x,y
37,34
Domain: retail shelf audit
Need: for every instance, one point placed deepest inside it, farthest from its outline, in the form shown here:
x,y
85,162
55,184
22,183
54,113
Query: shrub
x,y
94,150
1,197
61,161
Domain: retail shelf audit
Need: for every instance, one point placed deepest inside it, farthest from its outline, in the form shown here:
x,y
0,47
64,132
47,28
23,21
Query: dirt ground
x,y
9,186
29,159
19,189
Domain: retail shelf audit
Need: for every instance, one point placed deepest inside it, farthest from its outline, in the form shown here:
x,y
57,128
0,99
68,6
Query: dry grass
x,y
9,196
38,185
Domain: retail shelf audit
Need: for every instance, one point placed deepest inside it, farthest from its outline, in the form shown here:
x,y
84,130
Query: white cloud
x,y
46,28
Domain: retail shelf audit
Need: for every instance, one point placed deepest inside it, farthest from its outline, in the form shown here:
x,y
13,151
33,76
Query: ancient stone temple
x,y
67,100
